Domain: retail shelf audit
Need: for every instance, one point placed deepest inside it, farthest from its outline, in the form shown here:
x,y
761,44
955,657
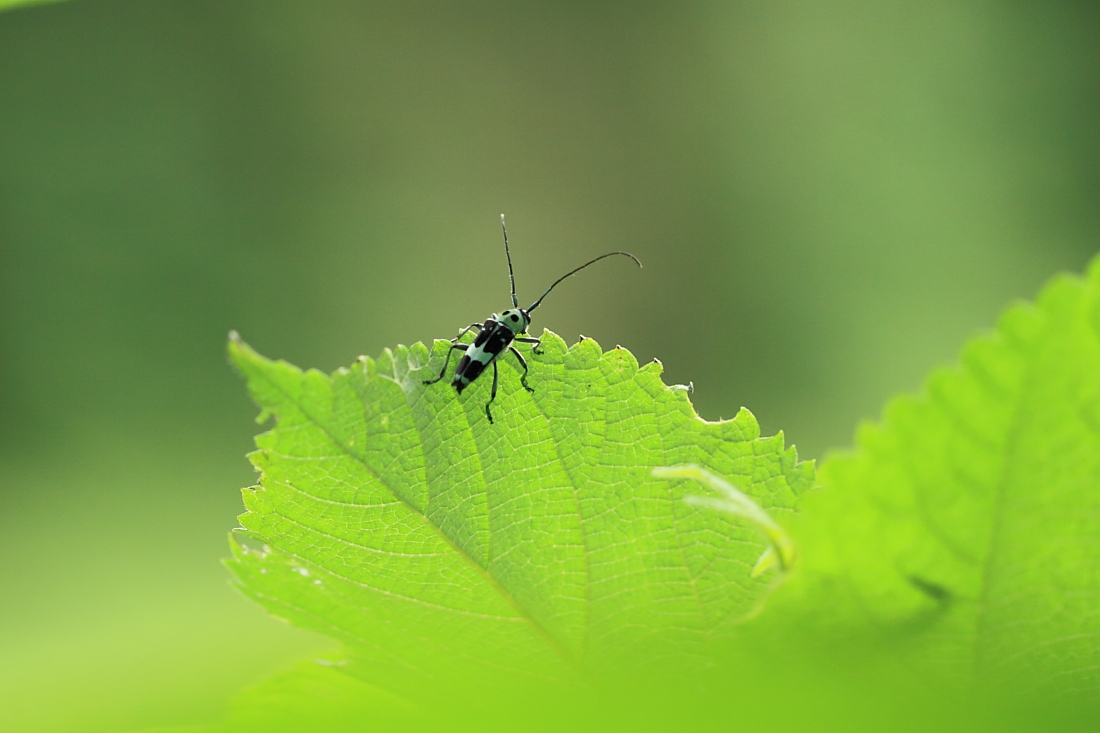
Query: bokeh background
x,y
829,198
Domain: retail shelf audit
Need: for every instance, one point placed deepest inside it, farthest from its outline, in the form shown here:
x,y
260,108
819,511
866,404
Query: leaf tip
x,y
240,353
233,344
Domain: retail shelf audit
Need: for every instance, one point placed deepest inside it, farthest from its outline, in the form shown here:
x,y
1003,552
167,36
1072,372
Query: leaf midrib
x,y
571,659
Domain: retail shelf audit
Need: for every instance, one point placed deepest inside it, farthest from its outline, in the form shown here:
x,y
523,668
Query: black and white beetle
x,y
498,333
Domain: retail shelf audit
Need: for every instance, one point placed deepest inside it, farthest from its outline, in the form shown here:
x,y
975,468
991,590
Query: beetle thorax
x,y
516,319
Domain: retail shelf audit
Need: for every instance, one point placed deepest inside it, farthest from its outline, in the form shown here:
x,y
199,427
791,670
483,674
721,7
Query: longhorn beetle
x,y
498,333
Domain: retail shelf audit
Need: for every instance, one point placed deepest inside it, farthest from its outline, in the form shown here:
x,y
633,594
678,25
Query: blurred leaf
x,y
313,695
966,526
6,4
436,545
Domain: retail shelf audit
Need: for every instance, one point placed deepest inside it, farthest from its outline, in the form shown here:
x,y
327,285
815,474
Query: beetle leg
x,y
522,363
454,345
466,330
536,342
492,394
447,361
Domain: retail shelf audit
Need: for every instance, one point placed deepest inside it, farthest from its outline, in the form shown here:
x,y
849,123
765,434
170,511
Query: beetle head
x,y
516,319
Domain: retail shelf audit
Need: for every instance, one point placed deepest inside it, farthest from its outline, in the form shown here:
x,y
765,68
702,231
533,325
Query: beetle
x,y
498,332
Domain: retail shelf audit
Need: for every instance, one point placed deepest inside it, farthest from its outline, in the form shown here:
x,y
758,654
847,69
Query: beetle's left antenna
x,y
511,277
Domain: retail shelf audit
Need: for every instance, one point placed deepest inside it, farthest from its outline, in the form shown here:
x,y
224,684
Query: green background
x,y
828,199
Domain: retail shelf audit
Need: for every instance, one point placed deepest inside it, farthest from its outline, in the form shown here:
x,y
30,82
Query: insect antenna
x,y
511,277
575,271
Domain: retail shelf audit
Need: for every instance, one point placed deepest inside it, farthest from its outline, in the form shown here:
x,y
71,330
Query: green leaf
x,y
966,526
393,516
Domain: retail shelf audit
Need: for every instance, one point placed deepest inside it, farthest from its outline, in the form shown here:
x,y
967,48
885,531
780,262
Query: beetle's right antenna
x,y
511,277
576,270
